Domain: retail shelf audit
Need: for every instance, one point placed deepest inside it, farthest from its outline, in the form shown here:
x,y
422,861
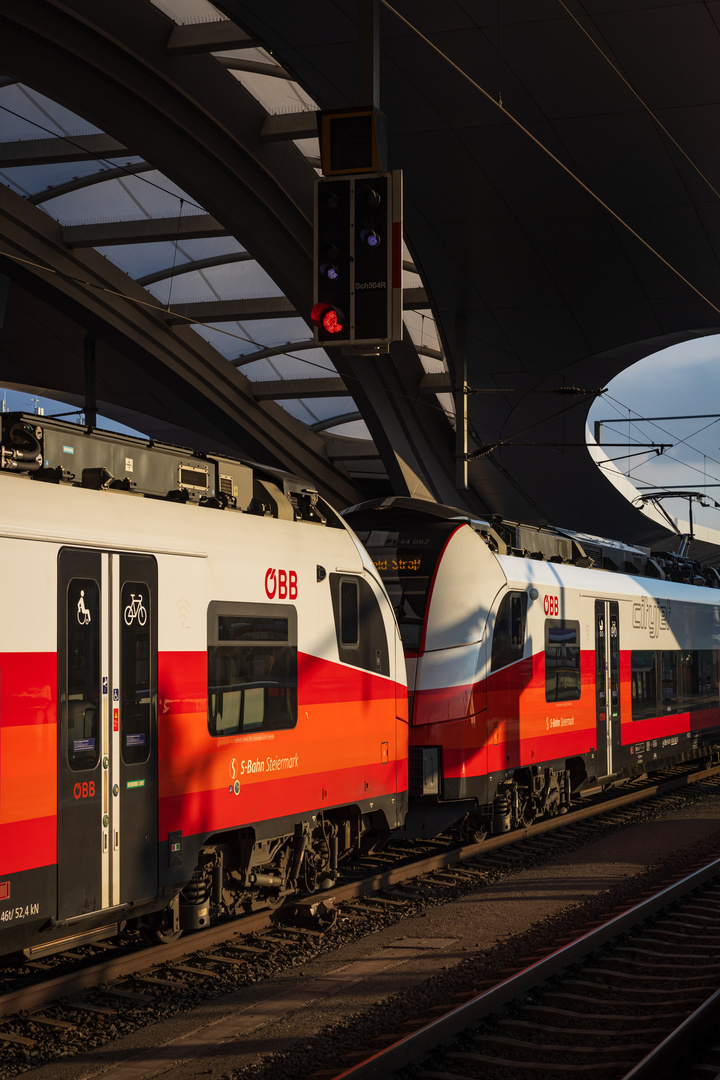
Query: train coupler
x,y
310,913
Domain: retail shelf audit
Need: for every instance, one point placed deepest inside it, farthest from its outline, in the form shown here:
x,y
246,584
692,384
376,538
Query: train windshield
x,y
406,560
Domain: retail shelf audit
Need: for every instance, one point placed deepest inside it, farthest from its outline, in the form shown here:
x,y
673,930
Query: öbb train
x,y
203,702
204,695
540,661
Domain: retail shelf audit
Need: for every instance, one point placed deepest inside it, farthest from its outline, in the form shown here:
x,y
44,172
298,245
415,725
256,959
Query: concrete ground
x,y
229,1033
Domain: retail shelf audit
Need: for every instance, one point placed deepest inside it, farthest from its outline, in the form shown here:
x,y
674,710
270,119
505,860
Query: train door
x,y
107,730
607,685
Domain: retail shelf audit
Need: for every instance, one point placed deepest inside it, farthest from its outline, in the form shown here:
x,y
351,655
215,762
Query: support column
x,y
461,399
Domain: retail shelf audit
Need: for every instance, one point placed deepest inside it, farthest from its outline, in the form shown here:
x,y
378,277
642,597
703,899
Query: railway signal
x,y
357,266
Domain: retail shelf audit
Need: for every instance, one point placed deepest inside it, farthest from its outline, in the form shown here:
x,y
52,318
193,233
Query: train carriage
x,y
534,670
202,691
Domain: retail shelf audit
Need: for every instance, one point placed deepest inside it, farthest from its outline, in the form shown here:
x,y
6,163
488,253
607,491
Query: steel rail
x,y
49,990
409,1049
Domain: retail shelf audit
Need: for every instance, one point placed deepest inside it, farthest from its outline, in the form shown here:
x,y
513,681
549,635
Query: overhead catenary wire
x,y
635,94
553,157
499,104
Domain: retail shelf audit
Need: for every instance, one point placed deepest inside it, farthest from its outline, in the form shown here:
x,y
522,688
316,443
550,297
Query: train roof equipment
x,y
47,449
547,543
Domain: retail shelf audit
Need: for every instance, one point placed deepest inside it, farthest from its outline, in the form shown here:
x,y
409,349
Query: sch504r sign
x,y
281,584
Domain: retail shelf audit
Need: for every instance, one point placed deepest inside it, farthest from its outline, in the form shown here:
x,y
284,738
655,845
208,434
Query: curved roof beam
x,y
19,152
193,266
278,350
81,182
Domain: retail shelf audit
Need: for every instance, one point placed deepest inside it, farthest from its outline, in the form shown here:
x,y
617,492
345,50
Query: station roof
x,y
157,163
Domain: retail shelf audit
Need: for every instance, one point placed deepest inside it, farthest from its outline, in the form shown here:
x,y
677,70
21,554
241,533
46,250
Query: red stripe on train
x,y
198,812
28,684
25,845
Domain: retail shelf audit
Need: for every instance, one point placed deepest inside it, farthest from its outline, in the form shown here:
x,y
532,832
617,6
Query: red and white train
x,y
539,661
202,688
204,698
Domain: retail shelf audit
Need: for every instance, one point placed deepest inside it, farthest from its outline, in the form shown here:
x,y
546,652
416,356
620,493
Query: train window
x,y
359,624
135,674
699,679
406,559
643,682
509,633
83,673
673,681
252,668
562,660
349,613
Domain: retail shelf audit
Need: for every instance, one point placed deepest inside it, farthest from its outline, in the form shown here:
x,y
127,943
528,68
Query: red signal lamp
x,y
328,318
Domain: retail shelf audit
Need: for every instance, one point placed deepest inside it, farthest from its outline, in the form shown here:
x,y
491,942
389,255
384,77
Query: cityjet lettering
x,y
649,615
281,583
269,764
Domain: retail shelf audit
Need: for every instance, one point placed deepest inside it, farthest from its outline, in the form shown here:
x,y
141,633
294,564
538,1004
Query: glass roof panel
x,y
275,94
327,408
35,179
304,364
355,429
187,11
299,410
226,282
233,339
137,260
28,114
150,195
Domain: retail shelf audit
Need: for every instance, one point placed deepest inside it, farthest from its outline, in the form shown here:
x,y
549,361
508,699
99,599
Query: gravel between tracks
x,y
493,929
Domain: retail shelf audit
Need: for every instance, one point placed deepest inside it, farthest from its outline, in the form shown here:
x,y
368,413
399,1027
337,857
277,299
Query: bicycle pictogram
x,y
135,610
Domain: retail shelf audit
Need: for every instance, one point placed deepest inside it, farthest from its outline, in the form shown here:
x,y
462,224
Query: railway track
x,y
129,987
624,1001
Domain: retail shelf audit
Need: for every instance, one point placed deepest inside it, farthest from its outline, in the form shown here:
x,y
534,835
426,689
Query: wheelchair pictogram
x,y
83,615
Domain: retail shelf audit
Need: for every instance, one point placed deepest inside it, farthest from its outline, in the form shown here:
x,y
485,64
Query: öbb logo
x,y
551,605
86,790
281,584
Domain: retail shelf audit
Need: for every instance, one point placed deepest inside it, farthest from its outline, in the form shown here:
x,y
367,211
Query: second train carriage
x,y
533,670
202,688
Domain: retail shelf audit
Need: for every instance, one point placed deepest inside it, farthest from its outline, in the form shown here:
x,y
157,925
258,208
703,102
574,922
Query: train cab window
x,y
83,673
562,660
252,668
349,613
509,633
359,625
135,673
406,557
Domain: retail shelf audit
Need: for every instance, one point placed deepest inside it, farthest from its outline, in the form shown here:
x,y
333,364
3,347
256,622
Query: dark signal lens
x,y
370,237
